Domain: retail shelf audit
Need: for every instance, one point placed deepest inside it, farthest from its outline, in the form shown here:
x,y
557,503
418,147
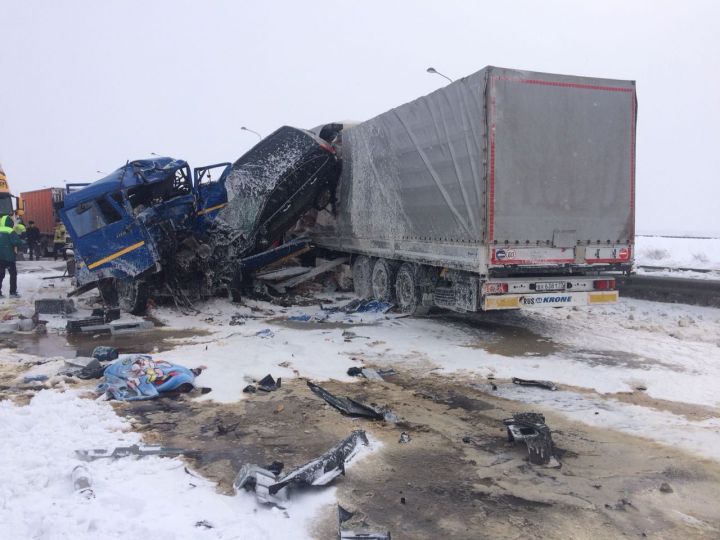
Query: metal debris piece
x,y
529,382
271,489
255,477
331,464
314,272
404,438
250,389
54,306
531,429
345,516
134,450
370,373
268,384
347,405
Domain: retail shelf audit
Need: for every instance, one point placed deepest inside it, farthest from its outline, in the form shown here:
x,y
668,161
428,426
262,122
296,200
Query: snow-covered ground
x,y
637,367
673,253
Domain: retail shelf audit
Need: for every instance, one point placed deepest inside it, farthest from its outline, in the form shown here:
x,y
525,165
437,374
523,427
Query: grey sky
x,y
87,85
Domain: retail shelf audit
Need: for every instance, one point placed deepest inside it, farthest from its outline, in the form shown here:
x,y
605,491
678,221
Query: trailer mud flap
x,y
559,299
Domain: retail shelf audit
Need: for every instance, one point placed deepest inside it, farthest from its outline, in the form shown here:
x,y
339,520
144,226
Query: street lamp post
x,y
243,128
436,72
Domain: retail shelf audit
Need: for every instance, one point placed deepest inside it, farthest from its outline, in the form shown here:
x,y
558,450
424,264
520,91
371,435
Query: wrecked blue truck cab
x,y
118,223
156,228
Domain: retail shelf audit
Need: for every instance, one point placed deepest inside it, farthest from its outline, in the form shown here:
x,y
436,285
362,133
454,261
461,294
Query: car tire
x,y
383,280
362,276
132,296
408,296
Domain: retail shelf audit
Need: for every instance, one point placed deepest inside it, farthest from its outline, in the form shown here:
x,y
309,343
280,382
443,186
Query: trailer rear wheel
x,y
132,296
362,276
383,280
407,291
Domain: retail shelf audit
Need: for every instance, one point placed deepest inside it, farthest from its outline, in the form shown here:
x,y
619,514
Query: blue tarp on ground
x,y
139,376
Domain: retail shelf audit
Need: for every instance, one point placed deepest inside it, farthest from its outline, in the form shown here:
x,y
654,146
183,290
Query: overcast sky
x,y
87,85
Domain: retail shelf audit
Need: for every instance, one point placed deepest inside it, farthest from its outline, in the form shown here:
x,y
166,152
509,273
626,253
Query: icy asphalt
x,y
638,367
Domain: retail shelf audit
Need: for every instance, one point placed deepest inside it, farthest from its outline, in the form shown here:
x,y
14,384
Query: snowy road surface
x,y
636,369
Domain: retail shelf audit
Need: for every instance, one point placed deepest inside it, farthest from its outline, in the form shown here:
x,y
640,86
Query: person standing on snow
x,y
59,239
32,236
9,240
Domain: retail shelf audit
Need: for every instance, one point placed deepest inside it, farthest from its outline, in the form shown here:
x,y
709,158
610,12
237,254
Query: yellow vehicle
x,y
10,205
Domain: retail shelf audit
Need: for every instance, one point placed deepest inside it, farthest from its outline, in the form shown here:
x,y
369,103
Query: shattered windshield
x,y
255,175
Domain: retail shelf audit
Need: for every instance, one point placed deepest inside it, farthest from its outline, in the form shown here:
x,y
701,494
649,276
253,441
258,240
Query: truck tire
x,y
362,276
383,280
408,296
132,296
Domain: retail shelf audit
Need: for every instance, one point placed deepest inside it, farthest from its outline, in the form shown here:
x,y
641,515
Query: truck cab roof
x,y
142,171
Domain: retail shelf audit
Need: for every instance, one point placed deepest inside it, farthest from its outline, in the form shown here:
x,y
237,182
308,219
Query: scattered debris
x,y
250,389
108,314
34,378
97,325
531,429
344,516
133,450
271,489
369,373
548,385
348,405
310,274
266,333
404,438
104,353
280,408
139,376
82,481
268,384
359,305
204,524
665,488
237,320
82,368
54,306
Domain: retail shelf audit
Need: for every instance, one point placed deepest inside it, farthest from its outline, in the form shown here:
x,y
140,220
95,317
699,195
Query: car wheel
x,y
407,291
132,296
383,280
362,276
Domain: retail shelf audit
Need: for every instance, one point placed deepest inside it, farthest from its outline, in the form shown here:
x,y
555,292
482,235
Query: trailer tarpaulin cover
x,y
498,157
417,170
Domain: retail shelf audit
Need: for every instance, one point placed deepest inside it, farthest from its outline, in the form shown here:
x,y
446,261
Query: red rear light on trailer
x,y
604,284
495,288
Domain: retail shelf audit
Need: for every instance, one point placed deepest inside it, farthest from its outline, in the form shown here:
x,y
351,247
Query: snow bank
x,y
150,497
701,253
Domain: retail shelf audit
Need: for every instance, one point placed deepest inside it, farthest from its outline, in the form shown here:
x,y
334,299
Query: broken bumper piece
x,y
548,385
271,488
351,407
531,429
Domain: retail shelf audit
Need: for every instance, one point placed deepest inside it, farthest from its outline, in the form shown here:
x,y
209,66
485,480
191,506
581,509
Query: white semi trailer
x,y
506,189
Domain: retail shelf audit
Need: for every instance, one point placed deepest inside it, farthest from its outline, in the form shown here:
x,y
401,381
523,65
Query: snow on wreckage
x,y
154,228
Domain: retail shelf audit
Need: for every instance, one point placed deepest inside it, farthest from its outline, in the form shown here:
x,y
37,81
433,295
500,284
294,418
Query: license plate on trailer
x,y
550,286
